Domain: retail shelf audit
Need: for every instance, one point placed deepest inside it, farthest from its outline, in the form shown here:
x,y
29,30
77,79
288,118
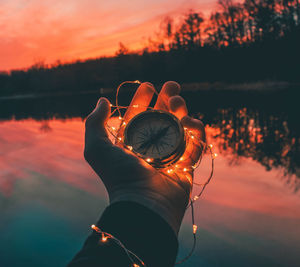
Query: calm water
x,y
249,215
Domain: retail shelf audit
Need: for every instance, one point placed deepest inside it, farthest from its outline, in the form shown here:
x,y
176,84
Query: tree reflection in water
x,y
264,127
263,137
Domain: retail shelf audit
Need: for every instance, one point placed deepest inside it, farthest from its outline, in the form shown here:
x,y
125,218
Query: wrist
x,y
170,213
142,231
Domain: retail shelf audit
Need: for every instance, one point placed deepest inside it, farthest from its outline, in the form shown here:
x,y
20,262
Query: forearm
x,y
141,230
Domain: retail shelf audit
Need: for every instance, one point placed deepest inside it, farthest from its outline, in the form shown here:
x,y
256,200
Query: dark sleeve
x,y
141,230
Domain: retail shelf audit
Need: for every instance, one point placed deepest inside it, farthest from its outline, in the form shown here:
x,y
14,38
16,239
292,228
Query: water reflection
x,y
266,139
264,127
246,216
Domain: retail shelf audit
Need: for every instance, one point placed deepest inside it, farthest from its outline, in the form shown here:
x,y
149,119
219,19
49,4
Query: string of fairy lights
x,y
171,169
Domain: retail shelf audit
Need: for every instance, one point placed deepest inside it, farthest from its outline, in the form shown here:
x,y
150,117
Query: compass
x,y
157,136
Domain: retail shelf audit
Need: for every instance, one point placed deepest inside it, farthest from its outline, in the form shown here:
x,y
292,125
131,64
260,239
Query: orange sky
x,y
34,30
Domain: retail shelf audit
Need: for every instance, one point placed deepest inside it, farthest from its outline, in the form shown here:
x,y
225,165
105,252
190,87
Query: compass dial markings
x,y
156,135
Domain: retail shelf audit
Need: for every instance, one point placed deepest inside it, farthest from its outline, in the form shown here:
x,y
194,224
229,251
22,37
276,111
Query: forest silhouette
x,y
239,42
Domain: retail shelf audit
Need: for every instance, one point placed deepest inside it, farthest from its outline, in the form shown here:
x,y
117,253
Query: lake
x,y
249,215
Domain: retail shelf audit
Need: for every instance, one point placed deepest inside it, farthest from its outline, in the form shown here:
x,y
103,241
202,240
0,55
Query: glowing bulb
x,y
192,137
114,128
135,106
184,169
169,170
130,148
120,118
124,123
181,159
110,105
195,228
135,265
210,146
148,159
137,81
93,226
104,238
195,198
176,166
185,128
119,138
215,155
194,166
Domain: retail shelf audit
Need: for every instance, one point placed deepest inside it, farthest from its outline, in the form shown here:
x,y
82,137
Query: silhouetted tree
x,y
123,50
189,33
240,41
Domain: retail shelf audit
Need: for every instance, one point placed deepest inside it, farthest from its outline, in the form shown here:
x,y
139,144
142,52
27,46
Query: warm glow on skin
x,y
48,31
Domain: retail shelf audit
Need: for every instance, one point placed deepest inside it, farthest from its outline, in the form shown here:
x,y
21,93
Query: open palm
x,y
128,177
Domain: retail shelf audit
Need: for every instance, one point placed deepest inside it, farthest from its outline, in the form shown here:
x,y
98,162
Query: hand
x,y
128,177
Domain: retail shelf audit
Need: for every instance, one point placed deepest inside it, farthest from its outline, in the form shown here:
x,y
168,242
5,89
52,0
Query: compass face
x,y
157,135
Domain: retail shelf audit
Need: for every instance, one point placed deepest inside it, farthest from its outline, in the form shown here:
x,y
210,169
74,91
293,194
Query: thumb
x,y
97,119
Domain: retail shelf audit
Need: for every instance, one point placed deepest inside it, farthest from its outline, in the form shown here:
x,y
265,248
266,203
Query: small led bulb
x,y
104,238
130,148
185,169
195,228
148,159
215,155
210,146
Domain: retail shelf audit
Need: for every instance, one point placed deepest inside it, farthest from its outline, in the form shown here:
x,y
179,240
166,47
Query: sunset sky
x,y
32,30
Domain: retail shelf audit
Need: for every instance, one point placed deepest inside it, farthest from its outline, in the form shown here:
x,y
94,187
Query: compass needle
x,y
156,134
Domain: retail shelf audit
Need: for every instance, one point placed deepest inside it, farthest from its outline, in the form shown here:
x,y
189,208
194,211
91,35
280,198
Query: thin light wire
x,y
190,138
194,239
127,251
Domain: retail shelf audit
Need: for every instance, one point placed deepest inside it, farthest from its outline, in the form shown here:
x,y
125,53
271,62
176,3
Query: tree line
x,y
233,24
239,42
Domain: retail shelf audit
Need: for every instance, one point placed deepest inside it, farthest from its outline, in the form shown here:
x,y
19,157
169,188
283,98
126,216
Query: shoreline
x,y
258,87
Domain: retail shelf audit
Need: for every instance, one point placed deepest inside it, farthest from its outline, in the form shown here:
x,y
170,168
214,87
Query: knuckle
x,y
88,121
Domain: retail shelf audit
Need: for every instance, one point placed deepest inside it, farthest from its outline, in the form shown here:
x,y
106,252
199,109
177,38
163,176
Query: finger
x,y
177,106
168,90
140,100
96,121
195,139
